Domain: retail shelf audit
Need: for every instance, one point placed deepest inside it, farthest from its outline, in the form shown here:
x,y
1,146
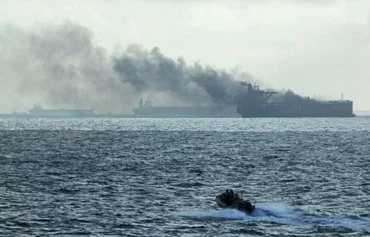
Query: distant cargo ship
x,y
148,111
39,111
253,102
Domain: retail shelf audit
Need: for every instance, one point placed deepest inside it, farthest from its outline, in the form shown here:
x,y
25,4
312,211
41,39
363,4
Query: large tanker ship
x,y
253,102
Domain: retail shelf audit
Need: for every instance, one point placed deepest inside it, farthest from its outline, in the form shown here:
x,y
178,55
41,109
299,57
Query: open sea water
x,y
159,177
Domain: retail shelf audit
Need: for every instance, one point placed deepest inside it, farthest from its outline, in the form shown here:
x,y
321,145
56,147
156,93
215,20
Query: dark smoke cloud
x,y
61,66
288,96
151,71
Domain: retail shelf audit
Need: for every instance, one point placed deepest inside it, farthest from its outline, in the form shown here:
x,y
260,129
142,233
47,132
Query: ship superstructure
x,y
253,102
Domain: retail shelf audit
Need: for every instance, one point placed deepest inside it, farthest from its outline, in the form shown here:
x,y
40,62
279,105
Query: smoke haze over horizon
x,y
108,54
61,66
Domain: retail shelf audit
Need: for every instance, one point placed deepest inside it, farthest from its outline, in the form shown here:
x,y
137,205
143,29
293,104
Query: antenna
x,y
141,103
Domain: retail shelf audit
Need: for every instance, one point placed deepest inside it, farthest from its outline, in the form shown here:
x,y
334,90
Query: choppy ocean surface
x,y
159,177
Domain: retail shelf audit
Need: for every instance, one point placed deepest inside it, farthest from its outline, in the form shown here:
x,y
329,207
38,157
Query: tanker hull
x,y
327,109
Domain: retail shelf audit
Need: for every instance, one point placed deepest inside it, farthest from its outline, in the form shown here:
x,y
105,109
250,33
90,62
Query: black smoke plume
x,y
151,71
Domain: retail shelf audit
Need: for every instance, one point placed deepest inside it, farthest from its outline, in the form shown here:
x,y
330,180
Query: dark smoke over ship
x,y
152,72
61,66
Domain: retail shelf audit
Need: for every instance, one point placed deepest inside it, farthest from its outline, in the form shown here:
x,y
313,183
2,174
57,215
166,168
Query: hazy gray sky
x,y
316,48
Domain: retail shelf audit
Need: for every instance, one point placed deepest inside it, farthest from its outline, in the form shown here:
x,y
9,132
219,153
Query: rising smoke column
x,y
151,71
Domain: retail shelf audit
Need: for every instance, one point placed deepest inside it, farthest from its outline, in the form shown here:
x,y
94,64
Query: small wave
x,y
277,213
223,214
190,184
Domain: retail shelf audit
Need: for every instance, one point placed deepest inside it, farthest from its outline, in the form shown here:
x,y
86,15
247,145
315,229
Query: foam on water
x,y
278,213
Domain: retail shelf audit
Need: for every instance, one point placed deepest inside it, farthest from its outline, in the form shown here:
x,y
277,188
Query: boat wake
x,y
277,213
